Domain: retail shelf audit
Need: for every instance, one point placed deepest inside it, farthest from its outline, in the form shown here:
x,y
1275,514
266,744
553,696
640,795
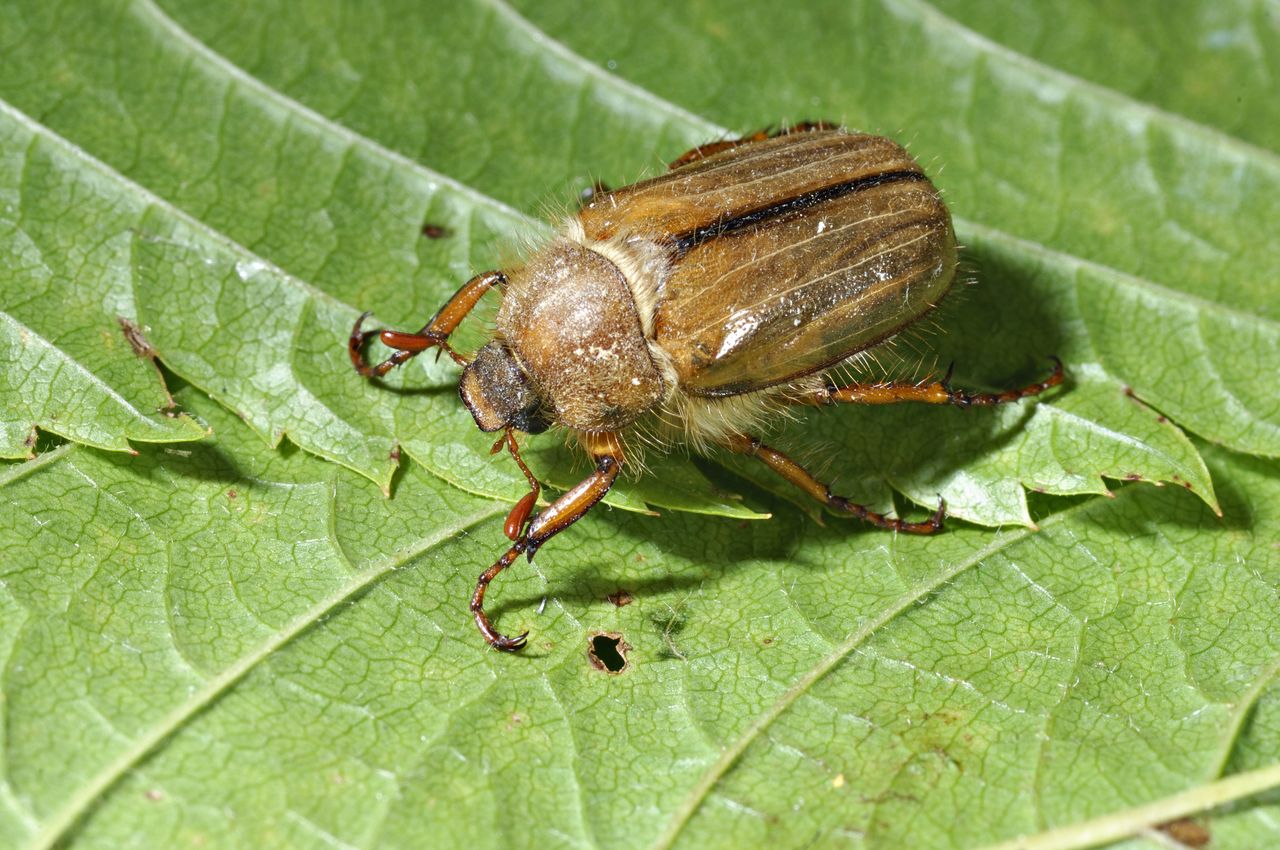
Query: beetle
x,y
690,305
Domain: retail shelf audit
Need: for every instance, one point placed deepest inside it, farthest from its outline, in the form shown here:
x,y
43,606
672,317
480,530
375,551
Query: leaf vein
x,y
736,748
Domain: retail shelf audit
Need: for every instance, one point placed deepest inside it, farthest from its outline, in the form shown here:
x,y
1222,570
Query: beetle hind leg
x,y
802,478
930,392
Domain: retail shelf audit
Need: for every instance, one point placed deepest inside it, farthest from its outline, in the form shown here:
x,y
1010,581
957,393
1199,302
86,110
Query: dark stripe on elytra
x,y
684,241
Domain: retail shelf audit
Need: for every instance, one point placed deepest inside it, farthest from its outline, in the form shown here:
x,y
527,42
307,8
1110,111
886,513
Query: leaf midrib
x,y
1080,835
153,14
227,679
1059,259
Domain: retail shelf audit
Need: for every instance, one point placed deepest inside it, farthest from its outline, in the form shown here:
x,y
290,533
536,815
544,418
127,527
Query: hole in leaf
x,y
608,652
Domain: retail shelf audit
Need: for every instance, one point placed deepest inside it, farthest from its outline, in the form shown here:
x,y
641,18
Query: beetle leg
x,y
704,151
935,392
807,127
799,476
606,450
434,333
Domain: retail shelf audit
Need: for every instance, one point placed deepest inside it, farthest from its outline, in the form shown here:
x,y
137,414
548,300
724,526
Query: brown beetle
x,y
690,305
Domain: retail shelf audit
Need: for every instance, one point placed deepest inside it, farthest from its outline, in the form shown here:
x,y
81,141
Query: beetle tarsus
x,y
435,334
411,346
355,346
961,398
932,525
495,638
509,644
800,222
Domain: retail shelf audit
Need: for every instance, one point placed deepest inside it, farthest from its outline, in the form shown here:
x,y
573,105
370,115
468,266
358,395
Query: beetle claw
x,y
939,515
946,379
355,345
510,644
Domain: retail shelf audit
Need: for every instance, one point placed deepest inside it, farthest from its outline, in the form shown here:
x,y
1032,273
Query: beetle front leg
x,y
800,477
606,450
704,151
935,392
434,333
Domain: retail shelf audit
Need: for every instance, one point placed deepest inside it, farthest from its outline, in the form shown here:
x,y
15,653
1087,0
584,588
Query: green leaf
x,y
322,182
220,312
225,629
68,362
1138,49
230,642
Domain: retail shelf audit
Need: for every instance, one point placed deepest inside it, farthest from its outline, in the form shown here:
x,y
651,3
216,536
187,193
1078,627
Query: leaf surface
x,y
224,641
360,241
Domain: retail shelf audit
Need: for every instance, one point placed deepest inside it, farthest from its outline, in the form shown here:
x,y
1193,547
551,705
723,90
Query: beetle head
x,y
498,393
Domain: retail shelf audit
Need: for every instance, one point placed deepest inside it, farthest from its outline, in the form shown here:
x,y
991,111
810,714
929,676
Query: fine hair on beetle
x,y
700,307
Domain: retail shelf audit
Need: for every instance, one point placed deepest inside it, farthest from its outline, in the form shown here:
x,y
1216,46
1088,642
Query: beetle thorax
x,y
571,320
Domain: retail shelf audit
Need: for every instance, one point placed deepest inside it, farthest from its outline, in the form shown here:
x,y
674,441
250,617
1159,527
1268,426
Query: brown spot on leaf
x,y
435,231
1187,832
136,338
621,598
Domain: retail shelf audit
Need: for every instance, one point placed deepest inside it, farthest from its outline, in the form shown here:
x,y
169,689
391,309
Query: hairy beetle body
x,y
689,304
750,270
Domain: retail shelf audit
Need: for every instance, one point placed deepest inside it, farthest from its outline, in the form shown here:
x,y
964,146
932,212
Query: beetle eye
x,y
498,394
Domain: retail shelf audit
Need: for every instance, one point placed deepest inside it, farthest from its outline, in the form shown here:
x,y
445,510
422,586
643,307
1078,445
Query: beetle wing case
x,y
787,255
